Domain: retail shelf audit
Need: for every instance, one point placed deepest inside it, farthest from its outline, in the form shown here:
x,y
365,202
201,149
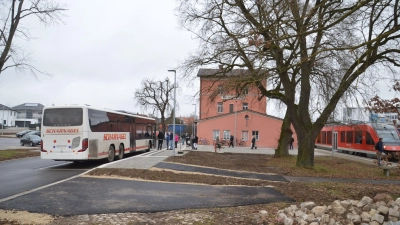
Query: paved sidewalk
x,y
152,158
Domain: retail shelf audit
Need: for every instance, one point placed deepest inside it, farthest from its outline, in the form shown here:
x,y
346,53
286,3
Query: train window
x,y
349,137
319,138
358,137
342,136
323,141
369,140
329,137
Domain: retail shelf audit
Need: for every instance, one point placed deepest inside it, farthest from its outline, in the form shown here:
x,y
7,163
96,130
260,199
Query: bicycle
x,y
240,143
204,141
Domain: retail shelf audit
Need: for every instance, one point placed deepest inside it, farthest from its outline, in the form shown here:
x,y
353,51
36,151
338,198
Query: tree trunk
x,y
284,139
305,157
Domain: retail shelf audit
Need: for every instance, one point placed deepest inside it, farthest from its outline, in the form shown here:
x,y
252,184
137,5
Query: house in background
x,y
359,114
28,113
223,112
7,116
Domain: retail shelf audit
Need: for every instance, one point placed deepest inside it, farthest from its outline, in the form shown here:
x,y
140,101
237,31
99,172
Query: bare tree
x,y
13,12
299,44
156,96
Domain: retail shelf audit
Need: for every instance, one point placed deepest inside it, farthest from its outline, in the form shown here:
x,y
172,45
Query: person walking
x,y
167,140
216,144
171,143
195,141
183,137
291,143
176,140
187,140
253,142
160,137
192,141
379,147
231,138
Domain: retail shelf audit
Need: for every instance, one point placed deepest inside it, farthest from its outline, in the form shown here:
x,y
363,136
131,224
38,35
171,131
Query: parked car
x,y
22,133
33,132
32,140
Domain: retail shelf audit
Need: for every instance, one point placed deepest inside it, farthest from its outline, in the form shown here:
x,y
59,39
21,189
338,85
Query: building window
x,y
227,134
231,108
254,133
220,107
245,105
220,90
245,91
216,134
245,135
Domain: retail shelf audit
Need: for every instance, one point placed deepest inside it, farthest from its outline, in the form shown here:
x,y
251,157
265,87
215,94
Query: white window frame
x,y
215,134
227,134
245,135
255,132
220,107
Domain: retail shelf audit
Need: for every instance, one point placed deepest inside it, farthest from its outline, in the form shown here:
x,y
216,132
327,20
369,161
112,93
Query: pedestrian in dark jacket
x,y
160,137
183,138
231,141
171,138
291,143
195,141
167,139
253,142
379,147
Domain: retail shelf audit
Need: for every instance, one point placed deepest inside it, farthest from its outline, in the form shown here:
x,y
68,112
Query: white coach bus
x,y
78,133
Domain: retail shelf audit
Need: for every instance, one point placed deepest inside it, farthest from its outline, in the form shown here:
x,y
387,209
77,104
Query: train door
x,y
335,141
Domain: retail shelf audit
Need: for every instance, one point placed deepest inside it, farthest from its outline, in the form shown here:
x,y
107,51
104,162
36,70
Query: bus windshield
x,y
388,135
62,117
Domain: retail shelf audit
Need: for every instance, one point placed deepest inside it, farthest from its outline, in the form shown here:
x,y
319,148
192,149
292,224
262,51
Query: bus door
x,y
335,141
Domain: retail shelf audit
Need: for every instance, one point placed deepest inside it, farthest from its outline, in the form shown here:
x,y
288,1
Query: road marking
x,y
42,187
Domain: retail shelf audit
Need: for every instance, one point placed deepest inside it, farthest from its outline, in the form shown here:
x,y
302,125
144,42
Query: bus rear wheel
x,y
121,152
111,154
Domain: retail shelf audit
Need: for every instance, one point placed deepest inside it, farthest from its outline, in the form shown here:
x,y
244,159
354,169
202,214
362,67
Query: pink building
x,y
223,112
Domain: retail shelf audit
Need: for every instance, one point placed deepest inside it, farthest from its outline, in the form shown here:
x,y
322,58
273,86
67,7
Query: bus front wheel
x,y
111,154
121,151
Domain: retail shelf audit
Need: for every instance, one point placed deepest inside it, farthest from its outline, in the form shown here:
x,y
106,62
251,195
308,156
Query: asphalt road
x,y
7,142
85,195
22,175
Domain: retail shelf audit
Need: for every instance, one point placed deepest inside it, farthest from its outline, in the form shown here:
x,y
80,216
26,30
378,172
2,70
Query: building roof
x,y
4,107
222,72
32,106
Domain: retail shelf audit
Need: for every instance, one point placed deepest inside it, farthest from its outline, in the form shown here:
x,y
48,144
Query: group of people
x,y
170,139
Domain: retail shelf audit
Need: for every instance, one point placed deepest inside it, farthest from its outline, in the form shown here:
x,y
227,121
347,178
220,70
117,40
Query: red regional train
x,y
359,139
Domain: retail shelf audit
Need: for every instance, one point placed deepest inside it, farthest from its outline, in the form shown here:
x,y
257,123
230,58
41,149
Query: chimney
x,y
220,67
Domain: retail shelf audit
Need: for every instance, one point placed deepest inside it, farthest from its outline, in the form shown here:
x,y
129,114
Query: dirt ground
x,y
320,193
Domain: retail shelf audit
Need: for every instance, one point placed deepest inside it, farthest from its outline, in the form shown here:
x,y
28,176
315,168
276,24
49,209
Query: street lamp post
x,y
194,124
173,127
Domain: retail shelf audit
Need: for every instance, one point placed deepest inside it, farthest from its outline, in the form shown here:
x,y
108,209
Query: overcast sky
x,y
100,55
102,52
